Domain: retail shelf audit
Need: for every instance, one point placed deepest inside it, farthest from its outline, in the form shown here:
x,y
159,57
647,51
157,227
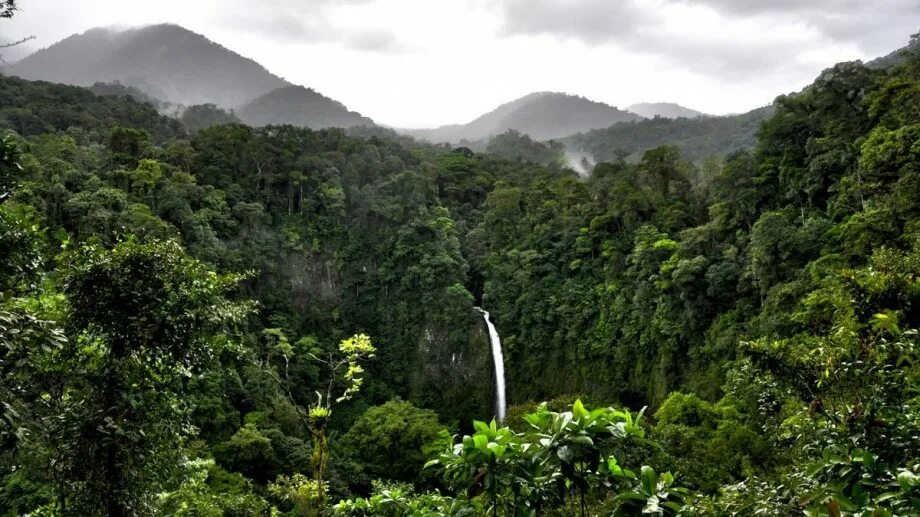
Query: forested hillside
x,y
697,138
227,320
302,107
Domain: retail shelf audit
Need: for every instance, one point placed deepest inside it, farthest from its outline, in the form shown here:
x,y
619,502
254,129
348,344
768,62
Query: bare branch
x,y
13,44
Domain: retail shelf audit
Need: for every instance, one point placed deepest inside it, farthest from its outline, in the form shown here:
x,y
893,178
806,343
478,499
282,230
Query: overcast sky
x,y
419,63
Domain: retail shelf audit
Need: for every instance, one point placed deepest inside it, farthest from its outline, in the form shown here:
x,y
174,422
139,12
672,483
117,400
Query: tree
x,y
127,145
8,8
202,116
145,317
9,166
352,352
395,439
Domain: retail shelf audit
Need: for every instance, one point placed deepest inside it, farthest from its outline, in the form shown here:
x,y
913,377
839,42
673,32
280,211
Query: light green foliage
x,y
304,495
398,500
351,352
564,458
354,349
145,176
206,491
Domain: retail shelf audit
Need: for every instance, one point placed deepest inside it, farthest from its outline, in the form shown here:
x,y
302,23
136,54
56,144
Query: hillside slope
x,y
663,109
37,107
300,106
165,61
697,137
541,115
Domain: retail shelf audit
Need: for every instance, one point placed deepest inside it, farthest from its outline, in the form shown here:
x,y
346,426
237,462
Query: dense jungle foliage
x,y
697,138
230,320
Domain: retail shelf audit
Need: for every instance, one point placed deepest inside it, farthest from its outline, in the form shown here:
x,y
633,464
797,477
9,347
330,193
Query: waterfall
x,y
499,361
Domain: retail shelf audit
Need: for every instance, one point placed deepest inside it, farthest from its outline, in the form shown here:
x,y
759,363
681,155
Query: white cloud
x,y
425,62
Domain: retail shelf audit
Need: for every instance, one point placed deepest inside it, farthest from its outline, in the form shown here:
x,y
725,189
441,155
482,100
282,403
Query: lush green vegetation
x,y
697,138
516,146
240,321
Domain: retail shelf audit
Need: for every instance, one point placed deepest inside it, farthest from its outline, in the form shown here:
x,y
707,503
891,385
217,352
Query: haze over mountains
x,y
664,110
13,54
542,115
697,137
165,61
175,65
299,106
172,64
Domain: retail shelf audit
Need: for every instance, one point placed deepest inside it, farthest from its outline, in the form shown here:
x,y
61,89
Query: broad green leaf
x,y
582,440
497,450
562,421
578,409
649,480
908,480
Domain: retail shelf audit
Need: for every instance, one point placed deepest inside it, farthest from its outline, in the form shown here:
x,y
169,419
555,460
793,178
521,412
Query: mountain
x,y
299,106
898,56
164,61
697,137
542,115
663,109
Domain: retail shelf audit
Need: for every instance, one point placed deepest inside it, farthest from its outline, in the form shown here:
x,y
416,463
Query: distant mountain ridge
x,y
663,109
172,64
299,106
898,56
164,61
541,115
696,137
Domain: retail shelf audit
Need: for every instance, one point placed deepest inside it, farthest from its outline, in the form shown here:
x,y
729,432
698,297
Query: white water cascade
x,y
499,361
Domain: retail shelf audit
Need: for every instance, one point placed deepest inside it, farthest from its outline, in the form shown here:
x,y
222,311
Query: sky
x,y
423,63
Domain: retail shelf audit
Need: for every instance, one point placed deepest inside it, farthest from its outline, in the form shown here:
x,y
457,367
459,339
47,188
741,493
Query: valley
x,y
222,293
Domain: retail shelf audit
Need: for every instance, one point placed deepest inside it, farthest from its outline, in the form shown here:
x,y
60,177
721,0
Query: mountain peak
x,y
166,61
542,115
664,110
300,106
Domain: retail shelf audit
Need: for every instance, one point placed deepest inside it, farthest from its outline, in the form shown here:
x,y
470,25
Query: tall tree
x,y
145,318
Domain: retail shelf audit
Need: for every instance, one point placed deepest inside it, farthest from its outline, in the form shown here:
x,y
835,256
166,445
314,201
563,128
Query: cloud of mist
x,y
452,60
307,22
728,38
